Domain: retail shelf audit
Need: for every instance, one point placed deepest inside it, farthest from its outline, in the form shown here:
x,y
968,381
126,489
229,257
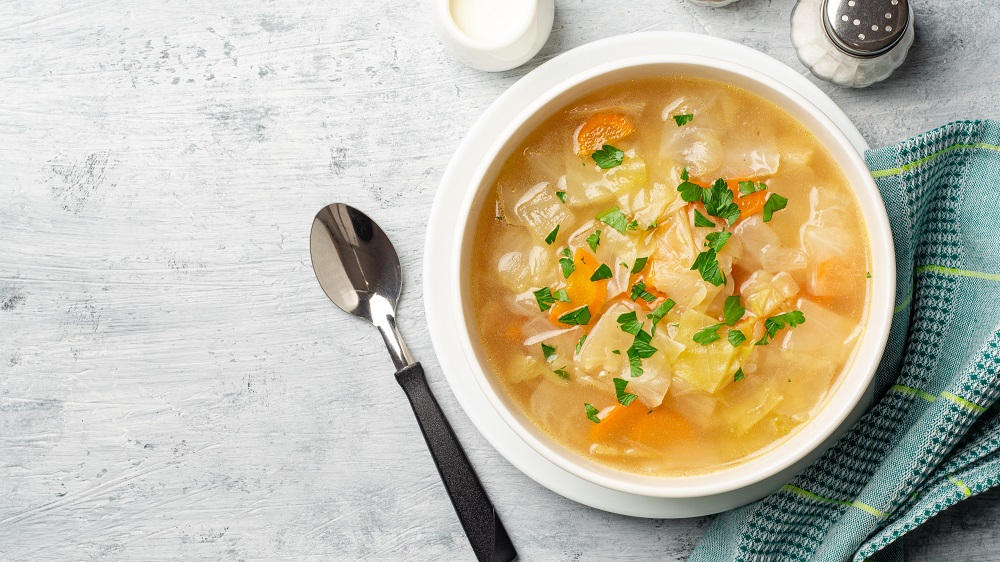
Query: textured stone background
x,y
174,384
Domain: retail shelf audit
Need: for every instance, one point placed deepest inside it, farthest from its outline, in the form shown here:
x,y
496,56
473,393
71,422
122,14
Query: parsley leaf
x,y
561,195
690,192
629,323
684,119
701,220
718,201
544,298
566,263
548,352
614,218
748,187
579,344
707,334
684,174
603,272
594,240
738,375
640,345
653,224
775,323
639,264
624,398
552,235
561,295
732,310
635,365
562,372
639,292
616,351
773,204
708,266
578,317
868,275
634,225
592,413
736,337
660,312
608,157
716,240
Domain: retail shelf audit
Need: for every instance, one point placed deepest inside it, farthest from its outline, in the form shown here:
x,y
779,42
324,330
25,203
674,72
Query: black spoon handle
x,y
481,523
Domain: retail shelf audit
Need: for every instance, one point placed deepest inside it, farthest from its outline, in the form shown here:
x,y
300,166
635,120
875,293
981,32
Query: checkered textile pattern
x,y
932,436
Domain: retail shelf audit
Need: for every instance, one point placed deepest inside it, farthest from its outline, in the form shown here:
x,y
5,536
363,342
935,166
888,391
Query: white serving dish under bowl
x,y
468,184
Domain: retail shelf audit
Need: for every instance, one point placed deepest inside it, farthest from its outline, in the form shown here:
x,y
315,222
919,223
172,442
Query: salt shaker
x,y
852,42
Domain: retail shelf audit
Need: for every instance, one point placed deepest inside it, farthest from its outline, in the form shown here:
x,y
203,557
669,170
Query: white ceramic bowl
x,y
850,387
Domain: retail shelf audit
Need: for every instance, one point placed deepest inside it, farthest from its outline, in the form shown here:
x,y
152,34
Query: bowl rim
x,y
878,310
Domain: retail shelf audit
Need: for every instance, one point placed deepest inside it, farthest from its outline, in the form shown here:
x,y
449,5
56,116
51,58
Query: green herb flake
x,y
544,298
738,375
736,337
660,311
707,335
562,372
561,295
749,187
775,323
629,323
707,265
578,317
552,235
592,413
608,157
614,218
702,220
602,272
717,240
566,263
652,225
624,398
639,265
684,174
579,344
548,352
718,201
773,204
732,310
634,225
868,275
562,196
684,119
616,351
594,240
690,192
635,366
639,292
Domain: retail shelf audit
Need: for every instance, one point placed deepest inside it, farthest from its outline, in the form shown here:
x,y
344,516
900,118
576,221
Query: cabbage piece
x,y
829,232
762,248
747,402
675,243
706,367
696,406
541,210
519,270
522,367
763,292
656,376
596,355
798,378
750,152
697,147
824,333
587,184
649,204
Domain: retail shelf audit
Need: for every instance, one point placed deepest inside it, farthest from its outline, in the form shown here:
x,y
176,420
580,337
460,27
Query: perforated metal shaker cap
x,y
865,28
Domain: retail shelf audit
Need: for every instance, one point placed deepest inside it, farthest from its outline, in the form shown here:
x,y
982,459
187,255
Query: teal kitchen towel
x,y
932,437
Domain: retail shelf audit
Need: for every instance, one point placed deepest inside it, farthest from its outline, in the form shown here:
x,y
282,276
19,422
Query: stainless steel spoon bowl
x,y
358,268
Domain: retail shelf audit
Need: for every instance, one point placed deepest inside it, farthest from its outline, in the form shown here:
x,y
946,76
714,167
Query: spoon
x,y
358,268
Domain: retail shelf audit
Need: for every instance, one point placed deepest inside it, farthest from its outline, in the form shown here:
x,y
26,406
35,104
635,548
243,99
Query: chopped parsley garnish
x,y
702,220
868,275
732,310
561,295
660,312
566,263
707,335
775,323
552,235
544,298
578,317
616,351
748,187
773,204
718,201
562,372
608,157
716,240
639,292
561,195
707,265
690,192
629,323
652,225
684,119
602,272
624,398
634,225
579,344
548,352
684,174
592,413
639,264
738,375
594,240
614,218
736,337
639,350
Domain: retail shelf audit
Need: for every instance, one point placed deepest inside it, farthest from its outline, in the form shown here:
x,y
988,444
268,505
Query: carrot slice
x,y
617,423
581,290
661,426
600,129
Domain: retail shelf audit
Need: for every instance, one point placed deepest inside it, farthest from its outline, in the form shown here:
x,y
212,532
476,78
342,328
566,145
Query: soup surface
x,y
669,275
